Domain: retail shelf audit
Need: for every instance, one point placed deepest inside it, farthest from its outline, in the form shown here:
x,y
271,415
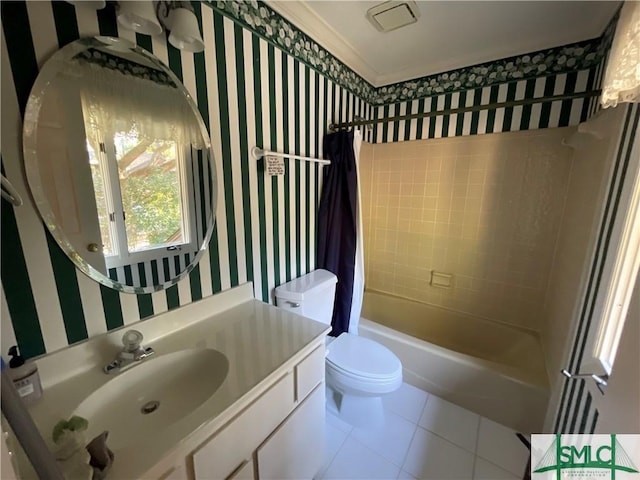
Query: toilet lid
x,y
363,357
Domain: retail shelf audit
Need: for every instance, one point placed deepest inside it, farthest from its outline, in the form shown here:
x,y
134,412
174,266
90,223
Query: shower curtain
x,y
339,225
358,274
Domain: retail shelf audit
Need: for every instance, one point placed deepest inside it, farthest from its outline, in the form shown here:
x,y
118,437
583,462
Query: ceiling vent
x,y
392,15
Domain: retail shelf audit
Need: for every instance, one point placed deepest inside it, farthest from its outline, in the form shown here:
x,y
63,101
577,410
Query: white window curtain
x,y
114,103
622,76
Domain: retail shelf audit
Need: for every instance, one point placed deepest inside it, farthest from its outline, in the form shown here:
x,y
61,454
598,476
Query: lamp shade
x,y
184,31
139,17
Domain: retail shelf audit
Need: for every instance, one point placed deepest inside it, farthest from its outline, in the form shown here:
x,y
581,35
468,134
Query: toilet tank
x,y
311,295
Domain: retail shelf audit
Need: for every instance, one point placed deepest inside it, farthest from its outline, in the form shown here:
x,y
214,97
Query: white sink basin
x,y
126,405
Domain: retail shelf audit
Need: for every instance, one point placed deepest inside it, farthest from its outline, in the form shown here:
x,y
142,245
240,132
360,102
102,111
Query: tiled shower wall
x,y
485,209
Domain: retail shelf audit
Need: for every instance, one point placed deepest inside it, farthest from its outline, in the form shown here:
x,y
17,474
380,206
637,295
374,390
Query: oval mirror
x,y
119,163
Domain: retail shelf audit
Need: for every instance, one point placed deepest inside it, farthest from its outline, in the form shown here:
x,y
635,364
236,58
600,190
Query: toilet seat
x,y
363,359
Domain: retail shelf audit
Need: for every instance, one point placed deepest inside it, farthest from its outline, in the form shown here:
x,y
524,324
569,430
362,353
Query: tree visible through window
x,y
138,190
150,186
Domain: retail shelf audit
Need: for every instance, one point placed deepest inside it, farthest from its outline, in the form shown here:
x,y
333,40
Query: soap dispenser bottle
x,y
25,376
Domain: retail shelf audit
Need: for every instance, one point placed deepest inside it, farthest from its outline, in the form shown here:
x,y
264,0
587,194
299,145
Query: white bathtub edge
x,y
482,386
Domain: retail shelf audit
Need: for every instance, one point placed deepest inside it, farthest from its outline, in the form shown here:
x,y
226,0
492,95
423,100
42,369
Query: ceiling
x,y
448,34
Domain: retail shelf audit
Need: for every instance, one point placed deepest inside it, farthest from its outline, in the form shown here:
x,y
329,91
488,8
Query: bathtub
x,y
493,369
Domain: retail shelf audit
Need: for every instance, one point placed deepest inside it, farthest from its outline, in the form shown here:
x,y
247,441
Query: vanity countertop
x,y
257,339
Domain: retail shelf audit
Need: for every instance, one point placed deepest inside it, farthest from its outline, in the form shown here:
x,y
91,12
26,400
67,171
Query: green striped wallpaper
x,y
249,93
251,90
493,120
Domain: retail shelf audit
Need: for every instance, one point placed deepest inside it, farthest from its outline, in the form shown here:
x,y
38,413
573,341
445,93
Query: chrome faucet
x,y
131,352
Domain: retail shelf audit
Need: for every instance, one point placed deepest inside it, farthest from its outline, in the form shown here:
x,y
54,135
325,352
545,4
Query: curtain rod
x,y
472,108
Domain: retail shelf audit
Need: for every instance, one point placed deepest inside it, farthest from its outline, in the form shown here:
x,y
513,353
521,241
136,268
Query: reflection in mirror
x,y
118,160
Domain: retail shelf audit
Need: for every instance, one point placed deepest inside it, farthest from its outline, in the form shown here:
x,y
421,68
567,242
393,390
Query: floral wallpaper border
x,y
260,18
263,20
93,56
553,61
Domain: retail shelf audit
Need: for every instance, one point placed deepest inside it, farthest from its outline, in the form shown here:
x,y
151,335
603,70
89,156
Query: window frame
x,y
121,255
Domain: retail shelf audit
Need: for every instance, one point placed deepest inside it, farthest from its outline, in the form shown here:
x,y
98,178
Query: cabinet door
x,y
228,450
296,449
309,373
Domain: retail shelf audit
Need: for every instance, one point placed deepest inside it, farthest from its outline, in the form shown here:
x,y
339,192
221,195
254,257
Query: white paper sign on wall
x,y
274,165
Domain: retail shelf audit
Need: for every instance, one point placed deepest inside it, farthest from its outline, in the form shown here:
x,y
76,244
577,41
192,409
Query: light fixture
x,y
139,16
185,34
181,22
176,16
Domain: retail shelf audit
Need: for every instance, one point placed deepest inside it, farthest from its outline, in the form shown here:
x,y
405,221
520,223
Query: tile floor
x,y
424,437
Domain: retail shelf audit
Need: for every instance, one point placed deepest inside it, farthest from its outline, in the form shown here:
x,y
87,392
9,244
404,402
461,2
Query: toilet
x,y
358,370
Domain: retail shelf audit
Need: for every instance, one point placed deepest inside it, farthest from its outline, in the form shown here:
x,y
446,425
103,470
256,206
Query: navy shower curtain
x,y
337,220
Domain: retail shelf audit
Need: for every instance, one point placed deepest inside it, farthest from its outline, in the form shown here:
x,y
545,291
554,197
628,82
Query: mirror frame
x,y
47,74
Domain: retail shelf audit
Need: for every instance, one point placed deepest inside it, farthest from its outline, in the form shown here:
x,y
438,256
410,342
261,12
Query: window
x,y
142,196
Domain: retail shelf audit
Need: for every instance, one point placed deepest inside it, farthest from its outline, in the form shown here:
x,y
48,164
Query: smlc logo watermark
x,y
601,457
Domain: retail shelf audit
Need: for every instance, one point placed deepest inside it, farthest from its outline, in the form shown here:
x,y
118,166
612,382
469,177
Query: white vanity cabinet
x,y
264,420
279,435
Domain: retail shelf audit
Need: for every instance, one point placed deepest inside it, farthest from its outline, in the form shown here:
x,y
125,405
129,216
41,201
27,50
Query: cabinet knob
x,y
93,247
